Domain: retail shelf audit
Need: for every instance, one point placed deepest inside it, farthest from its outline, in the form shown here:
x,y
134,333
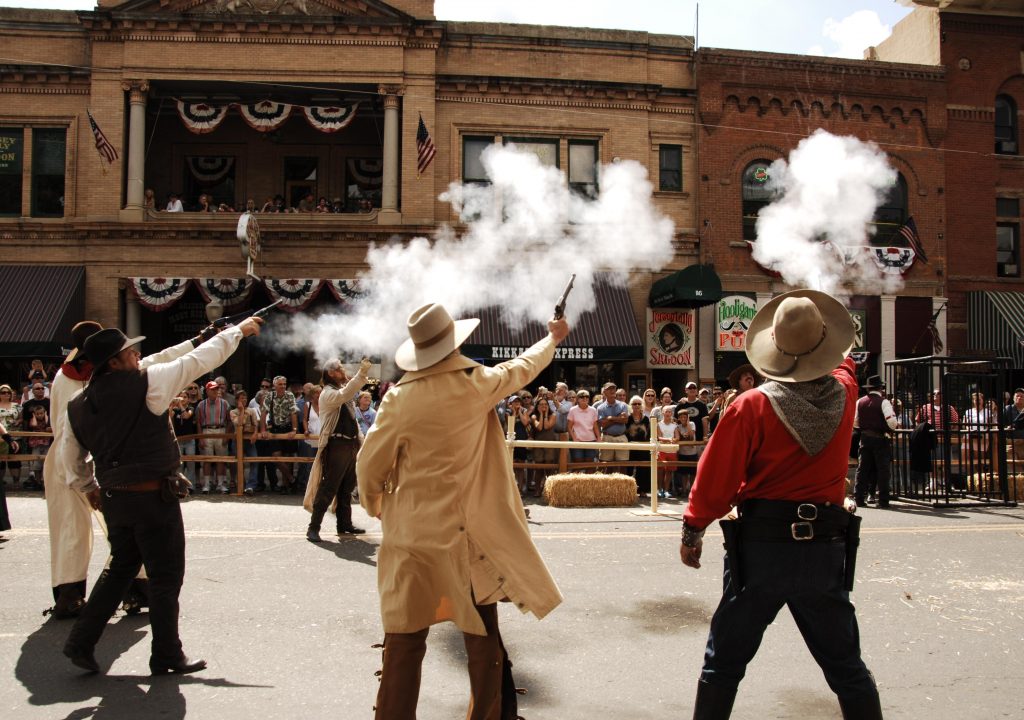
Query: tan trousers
x,y
403,659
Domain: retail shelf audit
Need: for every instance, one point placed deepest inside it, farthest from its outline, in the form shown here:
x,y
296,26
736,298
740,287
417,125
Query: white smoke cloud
x,y
528,235
814,234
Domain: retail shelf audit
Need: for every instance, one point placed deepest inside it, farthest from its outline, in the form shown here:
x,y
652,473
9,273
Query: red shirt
x,y
752,455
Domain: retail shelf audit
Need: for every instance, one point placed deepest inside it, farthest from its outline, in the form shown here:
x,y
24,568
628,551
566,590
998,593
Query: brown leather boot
x,y
400,677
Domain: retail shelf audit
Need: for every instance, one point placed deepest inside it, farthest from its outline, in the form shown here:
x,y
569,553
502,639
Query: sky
x,y
833,28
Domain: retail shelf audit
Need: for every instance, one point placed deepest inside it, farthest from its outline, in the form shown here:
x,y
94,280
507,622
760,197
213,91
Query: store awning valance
x,y
996,323
691,287
608,333
39,304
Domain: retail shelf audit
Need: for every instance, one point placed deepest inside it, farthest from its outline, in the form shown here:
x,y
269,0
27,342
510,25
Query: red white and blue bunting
x,y
367,173
209,169
330,119
230,291
890,260
297,294
345,291
159,294
266,115
201,118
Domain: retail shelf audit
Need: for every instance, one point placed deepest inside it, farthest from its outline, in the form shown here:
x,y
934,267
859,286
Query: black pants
x,y
337,479
873,468
143,528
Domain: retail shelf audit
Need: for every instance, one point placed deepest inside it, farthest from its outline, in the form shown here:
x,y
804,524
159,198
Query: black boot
x,y
137,597
313,531
713,702
861,707
69,602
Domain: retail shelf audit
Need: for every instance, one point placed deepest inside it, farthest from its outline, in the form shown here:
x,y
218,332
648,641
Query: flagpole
x,y
929,326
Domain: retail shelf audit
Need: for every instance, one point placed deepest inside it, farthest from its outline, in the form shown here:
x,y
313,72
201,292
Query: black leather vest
x,y
128,442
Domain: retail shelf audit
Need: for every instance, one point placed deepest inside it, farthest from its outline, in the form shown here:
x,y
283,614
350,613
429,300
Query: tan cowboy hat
x,y
798,336
433,336
79,334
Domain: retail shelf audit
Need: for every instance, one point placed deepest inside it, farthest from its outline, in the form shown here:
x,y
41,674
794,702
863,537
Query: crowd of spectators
x,y
309,204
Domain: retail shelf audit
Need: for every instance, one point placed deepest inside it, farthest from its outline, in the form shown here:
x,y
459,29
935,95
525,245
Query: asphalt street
x,y
286,626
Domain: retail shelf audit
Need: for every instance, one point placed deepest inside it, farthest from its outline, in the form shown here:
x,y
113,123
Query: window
x,y
11,150
472,164
756,195
1008,237
891,215
545,150
48,151
1006,125
583,168
670,168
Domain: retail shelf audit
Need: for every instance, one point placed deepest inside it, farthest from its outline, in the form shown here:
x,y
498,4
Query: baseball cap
x,y
691,384
212,385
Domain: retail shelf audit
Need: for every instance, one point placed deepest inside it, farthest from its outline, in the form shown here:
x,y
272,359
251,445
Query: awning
x,y
691,287
607,334
996,324
39,304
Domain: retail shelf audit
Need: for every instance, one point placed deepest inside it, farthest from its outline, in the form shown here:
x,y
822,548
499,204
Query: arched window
x,y
756,194
1006,125
891,214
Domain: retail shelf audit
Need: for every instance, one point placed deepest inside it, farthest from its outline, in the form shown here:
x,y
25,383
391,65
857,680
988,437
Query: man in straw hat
x,y
121,419
455,535
780,456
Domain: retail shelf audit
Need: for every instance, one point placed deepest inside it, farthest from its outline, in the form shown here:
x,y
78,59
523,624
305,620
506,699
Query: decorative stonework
x,y
263,7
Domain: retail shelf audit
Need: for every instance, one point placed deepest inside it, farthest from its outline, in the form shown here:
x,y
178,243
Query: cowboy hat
x,y
433,336
105,344
874,383
79,334
735,375
798,336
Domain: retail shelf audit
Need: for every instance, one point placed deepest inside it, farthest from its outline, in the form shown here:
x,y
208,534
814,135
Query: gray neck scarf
x,y
811,411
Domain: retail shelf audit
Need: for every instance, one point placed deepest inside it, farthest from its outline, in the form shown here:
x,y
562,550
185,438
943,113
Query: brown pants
x,y
490,676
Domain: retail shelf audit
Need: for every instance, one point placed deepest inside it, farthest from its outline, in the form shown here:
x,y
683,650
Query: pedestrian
x,y
333,476
780,455
121,419
456,540
876,420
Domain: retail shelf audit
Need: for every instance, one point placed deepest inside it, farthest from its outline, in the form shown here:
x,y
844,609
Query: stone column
x,y
389,212
136,188
132,314
888,320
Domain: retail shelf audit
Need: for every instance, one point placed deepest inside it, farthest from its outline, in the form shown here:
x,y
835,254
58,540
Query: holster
x,y
175,488
731,543
852,543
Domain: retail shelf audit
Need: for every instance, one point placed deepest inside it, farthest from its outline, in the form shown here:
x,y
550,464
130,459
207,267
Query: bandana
x,y
811,411
78,371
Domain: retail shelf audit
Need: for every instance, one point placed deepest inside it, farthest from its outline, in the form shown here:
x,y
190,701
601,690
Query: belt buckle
x,y
807,511
802,531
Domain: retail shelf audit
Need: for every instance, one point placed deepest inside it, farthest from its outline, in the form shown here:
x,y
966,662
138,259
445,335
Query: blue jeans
x,y
305,450
252,471
808,578
580,455
188,447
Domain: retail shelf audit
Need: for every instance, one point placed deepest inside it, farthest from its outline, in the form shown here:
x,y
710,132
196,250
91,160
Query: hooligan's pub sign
x,y
733,314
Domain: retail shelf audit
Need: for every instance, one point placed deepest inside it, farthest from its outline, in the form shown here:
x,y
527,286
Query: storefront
x,y
673,329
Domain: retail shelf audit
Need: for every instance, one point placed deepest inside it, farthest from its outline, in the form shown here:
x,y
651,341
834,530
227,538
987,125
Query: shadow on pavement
x,y
350,548
671,614
51,679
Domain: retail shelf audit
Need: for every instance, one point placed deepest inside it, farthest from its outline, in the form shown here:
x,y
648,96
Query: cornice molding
x,y
831,66
763,100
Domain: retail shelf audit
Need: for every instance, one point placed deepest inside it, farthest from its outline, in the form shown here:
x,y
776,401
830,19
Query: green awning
x,y
691,287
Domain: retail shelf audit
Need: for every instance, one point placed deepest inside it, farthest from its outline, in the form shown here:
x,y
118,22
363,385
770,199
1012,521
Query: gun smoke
x,y
525,233
815,233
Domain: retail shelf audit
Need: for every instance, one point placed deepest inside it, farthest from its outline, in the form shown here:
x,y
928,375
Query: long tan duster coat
x,y
436,469
331,401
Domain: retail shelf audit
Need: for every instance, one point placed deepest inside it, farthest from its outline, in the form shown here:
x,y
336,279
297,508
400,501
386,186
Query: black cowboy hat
x,y
874,383
105,344
79,334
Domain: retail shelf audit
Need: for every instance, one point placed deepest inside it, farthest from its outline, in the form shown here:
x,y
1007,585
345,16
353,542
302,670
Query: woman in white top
x,y
650,401
668,432
687,453
977,421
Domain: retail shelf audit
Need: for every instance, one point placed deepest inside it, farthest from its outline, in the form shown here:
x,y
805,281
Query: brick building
x,y
177,86
981,45
754,108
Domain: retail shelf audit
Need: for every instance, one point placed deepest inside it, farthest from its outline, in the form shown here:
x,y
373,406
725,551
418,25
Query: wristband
x,y
691,536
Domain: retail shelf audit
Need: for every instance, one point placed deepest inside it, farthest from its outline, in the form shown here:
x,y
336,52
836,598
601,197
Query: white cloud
x,y
855,33
815,50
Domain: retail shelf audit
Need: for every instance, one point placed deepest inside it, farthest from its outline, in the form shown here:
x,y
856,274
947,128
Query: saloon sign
x,y
670,338
733,314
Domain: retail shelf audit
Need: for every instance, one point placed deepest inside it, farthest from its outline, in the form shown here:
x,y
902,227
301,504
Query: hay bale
x,y
590,490
988,484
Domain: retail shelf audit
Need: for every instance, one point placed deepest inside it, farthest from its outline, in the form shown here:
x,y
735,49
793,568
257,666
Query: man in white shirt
x,y
174,203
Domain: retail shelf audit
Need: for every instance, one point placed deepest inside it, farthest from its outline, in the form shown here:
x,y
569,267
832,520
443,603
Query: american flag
x,y
909,231
103,146
425,150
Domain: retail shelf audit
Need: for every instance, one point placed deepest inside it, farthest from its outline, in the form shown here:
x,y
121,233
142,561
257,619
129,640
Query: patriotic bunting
x,y
158,294
201,118
209,170
368,173
890,260
297,294
345,291
230,291
266,115
330,119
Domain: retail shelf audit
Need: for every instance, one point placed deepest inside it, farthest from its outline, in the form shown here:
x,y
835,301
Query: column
x,y
136,90
132,315
389,212
888,321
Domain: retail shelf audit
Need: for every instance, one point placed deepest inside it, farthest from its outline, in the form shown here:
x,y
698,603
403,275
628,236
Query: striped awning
x,y
996,324
39,304
608,333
